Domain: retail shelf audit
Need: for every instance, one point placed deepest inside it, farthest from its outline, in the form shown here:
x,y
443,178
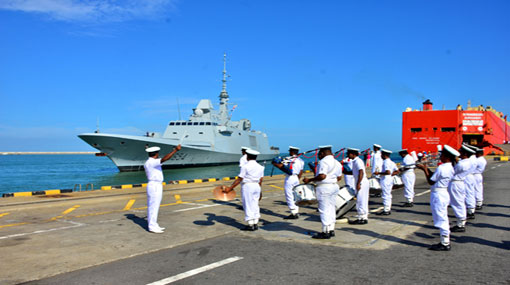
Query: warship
x,y
208,138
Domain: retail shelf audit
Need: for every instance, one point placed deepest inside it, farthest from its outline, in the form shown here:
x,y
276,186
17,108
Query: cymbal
x,y
222,196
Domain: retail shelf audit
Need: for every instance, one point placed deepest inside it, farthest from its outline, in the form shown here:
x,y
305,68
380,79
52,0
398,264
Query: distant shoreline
x,y
45,152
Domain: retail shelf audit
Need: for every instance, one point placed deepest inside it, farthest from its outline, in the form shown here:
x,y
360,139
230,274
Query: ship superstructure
x,y
209,137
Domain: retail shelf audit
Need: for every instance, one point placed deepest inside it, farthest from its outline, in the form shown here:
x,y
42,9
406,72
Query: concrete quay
x,y
101,238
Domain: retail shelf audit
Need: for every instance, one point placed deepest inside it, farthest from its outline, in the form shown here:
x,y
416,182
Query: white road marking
x,y
194,208
75,225
422,193
196,271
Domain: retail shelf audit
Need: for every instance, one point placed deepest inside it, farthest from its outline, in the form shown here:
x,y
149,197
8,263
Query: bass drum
x,y
397,182
345,201
304,194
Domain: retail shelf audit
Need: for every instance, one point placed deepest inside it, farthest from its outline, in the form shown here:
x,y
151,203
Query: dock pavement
x,y
100,237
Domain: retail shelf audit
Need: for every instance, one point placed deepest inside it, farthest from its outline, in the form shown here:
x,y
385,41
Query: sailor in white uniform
x,y
439,197
457,189
243,159
471,185
347,171
361,187
408,176
155,185
250,178
389,169
329,172
293,168
480,168
376,161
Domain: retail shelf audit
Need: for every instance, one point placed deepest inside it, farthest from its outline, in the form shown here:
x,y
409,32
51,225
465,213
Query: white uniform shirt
x,y
357,165
388,164
153,169
443,175
296,164
331,168
408,160
377,161
480,165
462,169
243,160
474,163
251,172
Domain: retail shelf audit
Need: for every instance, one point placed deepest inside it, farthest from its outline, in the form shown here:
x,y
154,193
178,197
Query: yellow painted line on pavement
x,y
129,204
203,200
277,187
65,212
4,214
178,198
13,225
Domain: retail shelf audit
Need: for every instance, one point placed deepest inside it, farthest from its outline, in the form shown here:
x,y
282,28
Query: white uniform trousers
x,y
349,181
250,193
439,200
479,189
326,196
154,195
362,200
386,186
470,193
457,191
409,178
290,182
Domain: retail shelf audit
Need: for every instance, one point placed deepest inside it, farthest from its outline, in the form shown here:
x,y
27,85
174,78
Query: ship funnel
x,y
427,105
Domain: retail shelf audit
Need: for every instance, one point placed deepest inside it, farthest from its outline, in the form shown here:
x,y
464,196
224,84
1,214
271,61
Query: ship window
x,y
415,130
215,124
174,133
200,133
195,124
190,124
177,123
202,123
172,123
447,129
208,123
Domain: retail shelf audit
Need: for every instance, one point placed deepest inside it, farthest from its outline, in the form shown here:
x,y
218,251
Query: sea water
x,y
27,173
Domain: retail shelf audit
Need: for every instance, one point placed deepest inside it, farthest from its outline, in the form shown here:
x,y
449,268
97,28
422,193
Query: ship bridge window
x,y
447,129
177,123
172,123
415,130
174,133
207,123
202,123
200,133
189,123
195,124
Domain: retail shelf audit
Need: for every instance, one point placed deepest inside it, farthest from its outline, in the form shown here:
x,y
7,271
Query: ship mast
x,y
224,94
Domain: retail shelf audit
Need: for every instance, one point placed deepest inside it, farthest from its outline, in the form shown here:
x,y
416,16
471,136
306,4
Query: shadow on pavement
x,y
213,218
359,231
142,222
469,239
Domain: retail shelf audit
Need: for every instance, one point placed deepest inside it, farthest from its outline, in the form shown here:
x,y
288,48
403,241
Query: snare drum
x,y
397,182
344,201
374,184
304,194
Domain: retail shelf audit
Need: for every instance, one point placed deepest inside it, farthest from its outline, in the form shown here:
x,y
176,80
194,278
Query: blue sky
x,y
307,73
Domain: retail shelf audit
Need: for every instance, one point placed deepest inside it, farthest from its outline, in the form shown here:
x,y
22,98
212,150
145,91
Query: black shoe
x,y
322,235
358,222
292,217
331,233
408,205
383,213
250,228
471,216
440,247
479,207
377,195
457,229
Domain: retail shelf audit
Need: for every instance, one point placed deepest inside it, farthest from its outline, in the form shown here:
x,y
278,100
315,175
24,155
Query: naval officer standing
x,y
457,189
155,185
293,168
439,197
376,161
480,168
389,169
250,178
471,184
408,176
361,187
329,172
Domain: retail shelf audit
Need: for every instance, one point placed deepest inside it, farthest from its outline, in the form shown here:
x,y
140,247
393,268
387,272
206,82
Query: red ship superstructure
x,y
423,130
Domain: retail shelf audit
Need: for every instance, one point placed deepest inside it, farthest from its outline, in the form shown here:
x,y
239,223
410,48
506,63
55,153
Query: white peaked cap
x,y
468,149
420,154
402,150
386,151
252,152
377,145
352,149
325,146
153,149
293,147
451,150
244,148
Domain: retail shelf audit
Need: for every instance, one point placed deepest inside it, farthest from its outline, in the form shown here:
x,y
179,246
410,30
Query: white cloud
x,y
92,11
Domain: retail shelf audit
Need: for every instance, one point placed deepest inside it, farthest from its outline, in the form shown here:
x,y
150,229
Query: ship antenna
x,y
224,94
